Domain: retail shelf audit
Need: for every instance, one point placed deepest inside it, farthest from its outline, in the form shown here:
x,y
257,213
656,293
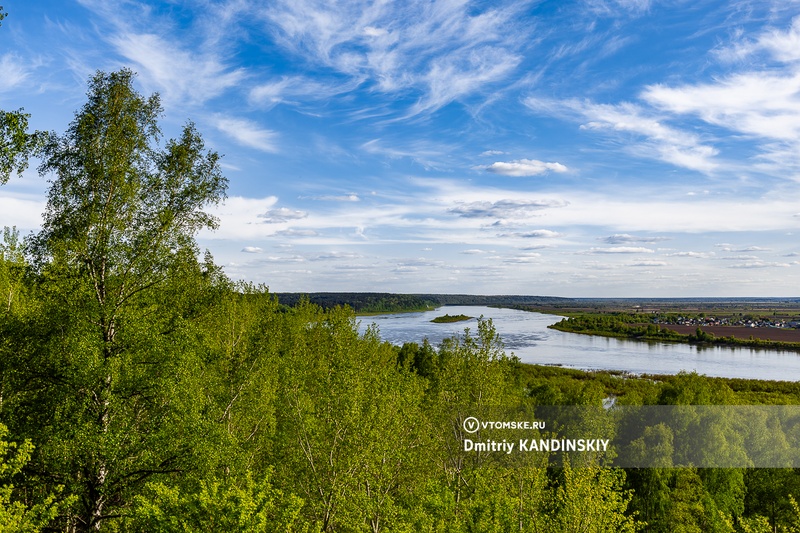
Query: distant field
x,y
741,332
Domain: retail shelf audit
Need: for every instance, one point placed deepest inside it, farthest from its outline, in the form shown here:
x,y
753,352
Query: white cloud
x,y
761,264
247,133
505,208
525,167
760,104
739,258
180,76
352,197
624,238
621,250
423,152
239,218
615,7
295,89
659,141
280,215
731,248
648,264
783,46
335,256
13,72
531,257
296,233
696,255
441,50
535,234
21,210
252,250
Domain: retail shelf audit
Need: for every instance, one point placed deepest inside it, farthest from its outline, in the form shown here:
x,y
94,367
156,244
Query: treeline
x,y
364,302
379,302
629,326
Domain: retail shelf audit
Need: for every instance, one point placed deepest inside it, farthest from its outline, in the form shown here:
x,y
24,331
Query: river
x,y
527,336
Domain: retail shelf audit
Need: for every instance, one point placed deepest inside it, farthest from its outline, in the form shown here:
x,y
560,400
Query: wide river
x,y
526,335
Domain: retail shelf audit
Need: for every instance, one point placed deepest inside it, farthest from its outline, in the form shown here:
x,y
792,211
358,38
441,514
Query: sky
x,y
593,148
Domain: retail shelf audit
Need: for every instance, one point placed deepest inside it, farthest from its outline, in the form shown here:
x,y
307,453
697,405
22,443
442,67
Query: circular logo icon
x,y
471,424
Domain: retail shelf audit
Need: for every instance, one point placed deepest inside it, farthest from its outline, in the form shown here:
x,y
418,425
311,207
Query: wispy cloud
x,y
781,45
649,134
183,71
760,102
13,71
247,133
441,50
296,90
612,7
352,197
178,74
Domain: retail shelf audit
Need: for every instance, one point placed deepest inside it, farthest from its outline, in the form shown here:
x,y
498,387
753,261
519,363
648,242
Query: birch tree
x,y
110,397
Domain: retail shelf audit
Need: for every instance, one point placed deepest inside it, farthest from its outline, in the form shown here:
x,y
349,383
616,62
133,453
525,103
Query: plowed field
x,y
741,332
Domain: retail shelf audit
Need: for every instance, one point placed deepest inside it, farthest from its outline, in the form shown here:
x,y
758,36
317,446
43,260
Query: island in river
x,y
447,319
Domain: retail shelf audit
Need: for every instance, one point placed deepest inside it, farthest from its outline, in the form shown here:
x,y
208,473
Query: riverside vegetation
x,y
143,391
630,326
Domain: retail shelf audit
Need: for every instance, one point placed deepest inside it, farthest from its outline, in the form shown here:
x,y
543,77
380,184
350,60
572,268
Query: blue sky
x,y
569,148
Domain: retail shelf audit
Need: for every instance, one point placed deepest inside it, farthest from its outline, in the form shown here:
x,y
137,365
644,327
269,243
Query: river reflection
x,y
526,335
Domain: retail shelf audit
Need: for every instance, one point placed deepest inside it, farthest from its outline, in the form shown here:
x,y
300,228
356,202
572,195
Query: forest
x,y
141,390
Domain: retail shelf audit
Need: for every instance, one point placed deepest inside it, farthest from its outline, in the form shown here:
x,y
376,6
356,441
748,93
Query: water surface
x,y
526,335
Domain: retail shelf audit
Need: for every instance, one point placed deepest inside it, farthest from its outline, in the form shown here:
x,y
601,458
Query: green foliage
x,y
16,143
17,516
339,414
12,271
591,499
110,377
616,325
247,507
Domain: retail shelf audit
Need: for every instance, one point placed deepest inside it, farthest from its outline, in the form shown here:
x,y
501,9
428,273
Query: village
x,y
741,321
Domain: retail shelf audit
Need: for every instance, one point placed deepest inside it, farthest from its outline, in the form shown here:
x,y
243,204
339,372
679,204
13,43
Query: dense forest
x,y
141,390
